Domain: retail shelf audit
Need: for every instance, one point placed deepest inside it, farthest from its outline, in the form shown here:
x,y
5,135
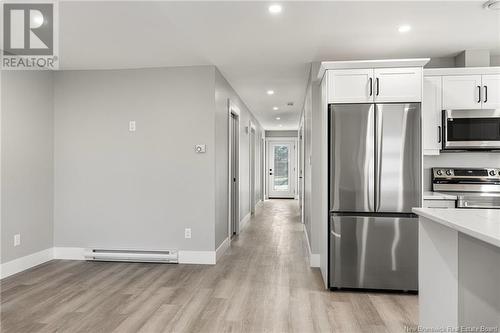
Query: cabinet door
x,y
461,92
491,91
398,85
431,115
350,86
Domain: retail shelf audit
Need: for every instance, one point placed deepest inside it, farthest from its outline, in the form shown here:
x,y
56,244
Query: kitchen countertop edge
x,y
486,228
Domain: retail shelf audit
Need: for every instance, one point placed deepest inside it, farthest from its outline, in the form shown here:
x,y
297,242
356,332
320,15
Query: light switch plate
x,y
200,148
131,126
17,239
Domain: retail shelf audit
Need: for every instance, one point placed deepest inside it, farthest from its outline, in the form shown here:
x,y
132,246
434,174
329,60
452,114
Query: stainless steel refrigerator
x,y
374,181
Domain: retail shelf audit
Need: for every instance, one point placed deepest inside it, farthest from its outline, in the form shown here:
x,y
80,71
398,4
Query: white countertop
x,y
483,224
430,195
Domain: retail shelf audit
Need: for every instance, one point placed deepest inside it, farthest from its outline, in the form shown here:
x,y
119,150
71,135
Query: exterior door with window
x,y
281,181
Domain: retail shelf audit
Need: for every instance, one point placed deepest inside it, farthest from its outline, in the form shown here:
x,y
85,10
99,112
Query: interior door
x,y
234,205
397,157
281,178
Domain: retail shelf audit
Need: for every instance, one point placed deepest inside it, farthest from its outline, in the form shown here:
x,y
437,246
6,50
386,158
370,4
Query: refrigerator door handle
x,y
378,155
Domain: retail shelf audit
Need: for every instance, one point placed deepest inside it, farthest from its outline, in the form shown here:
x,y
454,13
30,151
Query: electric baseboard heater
x,y
156,256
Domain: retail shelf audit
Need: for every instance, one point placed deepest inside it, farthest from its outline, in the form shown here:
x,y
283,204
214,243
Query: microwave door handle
x,y
479,92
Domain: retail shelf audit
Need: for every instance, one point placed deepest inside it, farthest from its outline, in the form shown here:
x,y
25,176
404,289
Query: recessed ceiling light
x,y
281,125
492,4
275,9
278,118
404,28
275,108
270,92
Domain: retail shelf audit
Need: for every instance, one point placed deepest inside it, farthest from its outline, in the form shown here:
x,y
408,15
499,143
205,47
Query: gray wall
x,y
119,189
223,92
281,134
27,162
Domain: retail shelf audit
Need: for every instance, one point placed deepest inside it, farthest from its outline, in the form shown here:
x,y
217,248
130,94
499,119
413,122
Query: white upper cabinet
x,y
350,86
380,85
431,115
398,85
462,92
491,91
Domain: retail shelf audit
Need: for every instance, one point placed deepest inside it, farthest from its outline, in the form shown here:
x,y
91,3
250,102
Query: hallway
x,y
263,283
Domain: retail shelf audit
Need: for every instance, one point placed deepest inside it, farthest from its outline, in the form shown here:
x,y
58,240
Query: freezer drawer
x,y
374,252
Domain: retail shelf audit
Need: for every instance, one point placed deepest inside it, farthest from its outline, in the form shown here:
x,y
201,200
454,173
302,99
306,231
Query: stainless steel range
x,y
474,187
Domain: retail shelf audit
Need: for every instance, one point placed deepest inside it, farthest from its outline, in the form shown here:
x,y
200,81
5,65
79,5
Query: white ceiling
x,y
257,51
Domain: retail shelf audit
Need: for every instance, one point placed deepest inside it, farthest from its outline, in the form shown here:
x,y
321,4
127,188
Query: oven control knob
x,y
492,172
439,172
448,172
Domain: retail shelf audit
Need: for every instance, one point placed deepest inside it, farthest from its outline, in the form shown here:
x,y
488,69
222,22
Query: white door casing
x,y
281,167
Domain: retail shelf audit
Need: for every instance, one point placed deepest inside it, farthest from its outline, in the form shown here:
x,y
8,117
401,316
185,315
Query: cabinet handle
x,y
371,86
485,94
376,81
479,92
439,134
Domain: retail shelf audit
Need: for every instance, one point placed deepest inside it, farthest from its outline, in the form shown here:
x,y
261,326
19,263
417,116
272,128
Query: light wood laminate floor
x,y
262,284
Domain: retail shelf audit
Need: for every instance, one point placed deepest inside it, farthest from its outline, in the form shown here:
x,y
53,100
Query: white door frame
x,y
293,163
234,110
263,168
252,164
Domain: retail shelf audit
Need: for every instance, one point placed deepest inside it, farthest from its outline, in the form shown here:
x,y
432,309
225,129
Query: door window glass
x,y
281,168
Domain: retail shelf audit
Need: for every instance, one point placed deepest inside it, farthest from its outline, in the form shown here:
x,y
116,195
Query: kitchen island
x,y
459,269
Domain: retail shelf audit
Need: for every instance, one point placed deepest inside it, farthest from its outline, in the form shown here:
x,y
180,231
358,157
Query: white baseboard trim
x,y
314,260
244,221
222,248
76,253
197,257
69,253
21,264
185,257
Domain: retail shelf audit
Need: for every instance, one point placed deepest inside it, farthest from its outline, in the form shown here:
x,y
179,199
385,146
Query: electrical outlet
x,y
17,239
131,126
187,233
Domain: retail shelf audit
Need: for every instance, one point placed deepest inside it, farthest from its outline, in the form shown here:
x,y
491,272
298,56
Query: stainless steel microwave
x,y
471,129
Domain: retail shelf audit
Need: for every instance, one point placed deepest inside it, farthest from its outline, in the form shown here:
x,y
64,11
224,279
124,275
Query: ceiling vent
x,y
492,4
